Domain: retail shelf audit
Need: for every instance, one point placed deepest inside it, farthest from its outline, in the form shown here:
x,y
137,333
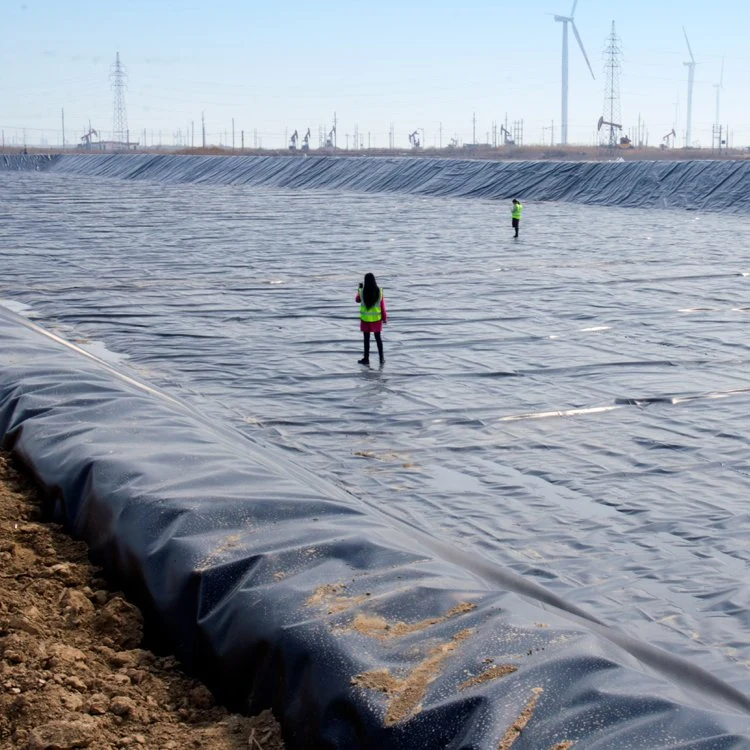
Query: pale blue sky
x,y
279,66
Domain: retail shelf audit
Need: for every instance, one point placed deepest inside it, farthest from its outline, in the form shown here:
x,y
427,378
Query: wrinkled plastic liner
x,y
278,590
697,185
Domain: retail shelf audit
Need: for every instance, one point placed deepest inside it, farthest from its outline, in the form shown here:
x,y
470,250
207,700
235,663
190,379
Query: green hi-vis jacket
x,y
370,314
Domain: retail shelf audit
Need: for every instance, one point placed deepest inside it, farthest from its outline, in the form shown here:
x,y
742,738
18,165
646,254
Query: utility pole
x,y
718,86
717,126
203,129
545,128
242,139
335,130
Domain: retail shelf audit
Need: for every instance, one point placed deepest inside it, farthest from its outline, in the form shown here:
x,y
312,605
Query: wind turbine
x,y
565,20
691,81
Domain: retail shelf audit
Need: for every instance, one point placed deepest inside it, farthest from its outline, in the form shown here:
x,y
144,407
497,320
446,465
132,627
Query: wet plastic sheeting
x,y
278,588
567,410
707,185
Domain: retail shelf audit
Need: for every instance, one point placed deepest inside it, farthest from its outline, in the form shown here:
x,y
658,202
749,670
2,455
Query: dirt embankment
x,y
479,151
72,673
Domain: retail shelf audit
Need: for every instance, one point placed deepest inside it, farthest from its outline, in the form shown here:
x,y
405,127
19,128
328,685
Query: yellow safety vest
x,y
370,314
516,211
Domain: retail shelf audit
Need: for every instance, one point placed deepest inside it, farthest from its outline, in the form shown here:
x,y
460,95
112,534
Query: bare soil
x,y
480,151
72,672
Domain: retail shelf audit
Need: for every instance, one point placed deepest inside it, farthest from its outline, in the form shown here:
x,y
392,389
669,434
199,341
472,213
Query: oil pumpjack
x,y
624,141
668,140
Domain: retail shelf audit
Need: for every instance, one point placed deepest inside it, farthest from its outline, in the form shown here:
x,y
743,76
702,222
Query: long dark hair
x,y
370,291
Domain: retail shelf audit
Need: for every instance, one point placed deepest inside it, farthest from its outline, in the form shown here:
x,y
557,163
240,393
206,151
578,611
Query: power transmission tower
x,y
612,112
120,119
517,135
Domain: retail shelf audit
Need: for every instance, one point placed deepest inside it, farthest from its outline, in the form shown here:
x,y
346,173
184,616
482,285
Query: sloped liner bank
x,y
277,589
696,185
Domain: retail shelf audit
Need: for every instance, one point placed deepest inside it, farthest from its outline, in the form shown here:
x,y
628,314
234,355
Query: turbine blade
x,y
688,44
573,9
580,44
721,77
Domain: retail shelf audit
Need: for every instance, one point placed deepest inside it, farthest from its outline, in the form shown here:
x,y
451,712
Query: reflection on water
x,y
550,403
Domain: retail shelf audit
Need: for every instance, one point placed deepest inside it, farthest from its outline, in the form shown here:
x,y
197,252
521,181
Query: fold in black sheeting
x,y
277,589
696,185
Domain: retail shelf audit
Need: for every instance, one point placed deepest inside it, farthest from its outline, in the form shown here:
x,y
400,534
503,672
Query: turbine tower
x,y
565,20
120,119
691,80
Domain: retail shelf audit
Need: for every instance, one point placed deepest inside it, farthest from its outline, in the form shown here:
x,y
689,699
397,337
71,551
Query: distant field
x,y
505,153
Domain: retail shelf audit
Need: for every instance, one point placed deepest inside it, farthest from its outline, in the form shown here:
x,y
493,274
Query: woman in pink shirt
x,y
372,315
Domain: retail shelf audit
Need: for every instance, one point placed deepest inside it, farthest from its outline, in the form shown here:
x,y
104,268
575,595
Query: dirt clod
x,y
62,735
72,673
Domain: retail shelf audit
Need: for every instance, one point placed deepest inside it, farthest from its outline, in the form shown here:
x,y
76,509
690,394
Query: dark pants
x,y
515,223
378,341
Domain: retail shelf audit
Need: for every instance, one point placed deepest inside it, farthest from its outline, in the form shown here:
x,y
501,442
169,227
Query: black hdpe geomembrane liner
x,y
278,589
708,185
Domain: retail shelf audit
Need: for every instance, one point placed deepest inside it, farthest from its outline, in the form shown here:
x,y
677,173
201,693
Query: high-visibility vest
x,y
370,314
516,214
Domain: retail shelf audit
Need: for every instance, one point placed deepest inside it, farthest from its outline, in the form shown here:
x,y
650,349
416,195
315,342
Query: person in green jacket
x,y
515,215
